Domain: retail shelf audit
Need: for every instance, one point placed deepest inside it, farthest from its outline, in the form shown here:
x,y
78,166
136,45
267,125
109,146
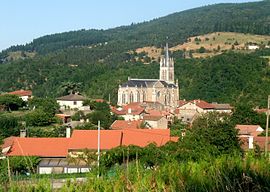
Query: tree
x,y
47,105
69,88
39,117
211,134
9,126
244,114
11,102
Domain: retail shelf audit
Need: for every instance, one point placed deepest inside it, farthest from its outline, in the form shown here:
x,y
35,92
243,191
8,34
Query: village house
x,y
249,135
155,122
25,95
130,112
71,101
187,111
54,152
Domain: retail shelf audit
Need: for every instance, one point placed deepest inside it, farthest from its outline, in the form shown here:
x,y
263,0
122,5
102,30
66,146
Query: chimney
x,y
250,142
68,131
129,110
23,133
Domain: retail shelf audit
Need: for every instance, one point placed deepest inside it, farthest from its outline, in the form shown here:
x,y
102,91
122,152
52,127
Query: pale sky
x,y
24,20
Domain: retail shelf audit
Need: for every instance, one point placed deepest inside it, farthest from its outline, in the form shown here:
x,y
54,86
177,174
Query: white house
x,y
72,101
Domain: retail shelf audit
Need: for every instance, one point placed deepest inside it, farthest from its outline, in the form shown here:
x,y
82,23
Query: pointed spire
x,y
167,54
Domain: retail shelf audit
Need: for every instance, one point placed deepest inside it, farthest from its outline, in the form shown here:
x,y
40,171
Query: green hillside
x,y
101,59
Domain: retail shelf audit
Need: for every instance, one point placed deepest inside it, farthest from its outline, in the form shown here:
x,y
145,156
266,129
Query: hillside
x,y
211,44
102,59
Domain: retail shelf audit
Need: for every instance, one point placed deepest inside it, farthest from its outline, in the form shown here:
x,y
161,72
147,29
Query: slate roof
x,y
146,83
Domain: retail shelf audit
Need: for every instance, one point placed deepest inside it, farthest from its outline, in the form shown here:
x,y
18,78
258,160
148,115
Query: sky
x,y
24,20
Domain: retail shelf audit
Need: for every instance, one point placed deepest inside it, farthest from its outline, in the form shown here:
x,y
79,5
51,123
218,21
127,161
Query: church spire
x,y
167,58
166,72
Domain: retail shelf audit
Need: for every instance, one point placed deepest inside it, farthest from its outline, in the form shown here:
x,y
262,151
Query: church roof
x,y
146,83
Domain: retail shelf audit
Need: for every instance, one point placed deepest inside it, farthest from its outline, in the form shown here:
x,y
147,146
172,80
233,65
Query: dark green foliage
x,y
11,102
9,126
78,116
101,112
38,117
47,105
244,114
22,165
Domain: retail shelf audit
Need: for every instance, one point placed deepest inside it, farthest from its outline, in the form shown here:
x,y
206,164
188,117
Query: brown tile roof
x,y
72,97
253,130
122,124
222,106
21,93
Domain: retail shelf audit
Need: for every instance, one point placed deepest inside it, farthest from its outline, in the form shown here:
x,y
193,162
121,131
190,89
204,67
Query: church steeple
x,y
166,72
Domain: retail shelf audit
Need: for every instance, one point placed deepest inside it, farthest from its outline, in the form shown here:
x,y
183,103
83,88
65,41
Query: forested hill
x,y
245,17
100,60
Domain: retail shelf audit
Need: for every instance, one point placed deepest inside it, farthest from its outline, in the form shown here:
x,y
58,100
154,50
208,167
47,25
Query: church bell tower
x,y
166,71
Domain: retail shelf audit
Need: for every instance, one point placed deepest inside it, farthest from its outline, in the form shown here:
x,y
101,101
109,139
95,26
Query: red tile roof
x,y
21,93
113,138
134,108
253,130
202,104
42,147
122,124
182,102
100,100
81,139
260,141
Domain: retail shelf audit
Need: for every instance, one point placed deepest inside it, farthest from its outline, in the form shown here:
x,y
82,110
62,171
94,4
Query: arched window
x,y
169,99
123,98
164,74
144,96
138,97
131,98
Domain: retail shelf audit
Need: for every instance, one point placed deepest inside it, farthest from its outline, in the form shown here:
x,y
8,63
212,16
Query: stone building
x,y
164,90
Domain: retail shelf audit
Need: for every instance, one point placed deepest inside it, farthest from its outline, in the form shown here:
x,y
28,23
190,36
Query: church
x,y
164,90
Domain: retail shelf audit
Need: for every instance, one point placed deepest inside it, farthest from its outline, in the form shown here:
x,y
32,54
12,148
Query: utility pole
x,y
9,173
267,125
98,159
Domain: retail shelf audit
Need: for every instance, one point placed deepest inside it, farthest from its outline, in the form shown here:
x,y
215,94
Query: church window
x,y
169,98
131,98
144,96
123,98
138,97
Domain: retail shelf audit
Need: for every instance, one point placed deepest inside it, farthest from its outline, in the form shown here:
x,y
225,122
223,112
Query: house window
x,y
74,102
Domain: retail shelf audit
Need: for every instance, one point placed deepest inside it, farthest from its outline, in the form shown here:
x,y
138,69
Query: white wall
x,y
70,104
45,170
